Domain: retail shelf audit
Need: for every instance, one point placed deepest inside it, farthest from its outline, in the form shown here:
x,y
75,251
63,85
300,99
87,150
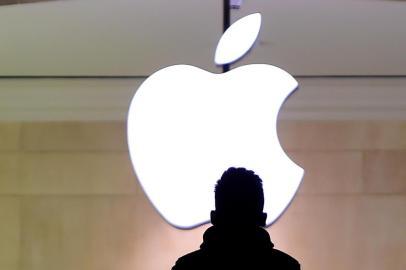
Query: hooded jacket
x,y
239,249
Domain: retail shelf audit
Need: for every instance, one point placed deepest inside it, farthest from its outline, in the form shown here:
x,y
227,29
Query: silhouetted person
x,y
237,240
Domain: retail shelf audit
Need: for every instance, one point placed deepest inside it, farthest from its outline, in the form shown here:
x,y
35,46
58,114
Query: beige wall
x,y
69,199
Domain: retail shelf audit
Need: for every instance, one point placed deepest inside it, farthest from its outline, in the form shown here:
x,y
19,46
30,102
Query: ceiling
x,y
14,2
137,37
341,43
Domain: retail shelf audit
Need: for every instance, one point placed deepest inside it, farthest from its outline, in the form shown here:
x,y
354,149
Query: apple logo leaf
x,y
238,39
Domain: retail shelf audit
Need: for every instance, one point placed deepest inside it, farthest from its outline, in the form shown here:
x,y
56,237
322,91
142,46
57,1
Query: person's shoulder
x,y
189,261
285,260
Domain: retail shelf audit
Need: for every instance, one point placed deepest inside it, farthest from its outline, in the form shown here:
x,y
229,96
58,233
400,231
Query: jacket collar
x,y
255,238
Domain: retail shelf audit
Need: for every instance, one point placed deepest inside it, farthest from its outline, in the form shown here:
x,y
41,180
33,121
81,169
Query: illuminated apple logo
x,y
186,126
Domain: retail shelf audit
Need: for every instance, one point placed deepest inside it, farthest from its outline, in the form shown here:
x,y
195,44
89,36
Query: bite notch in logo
x,y
186,126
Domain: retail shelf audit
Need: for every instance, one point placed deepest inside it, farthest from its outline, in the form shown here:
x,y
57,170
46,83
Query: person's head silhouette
x,y
239,199
236,239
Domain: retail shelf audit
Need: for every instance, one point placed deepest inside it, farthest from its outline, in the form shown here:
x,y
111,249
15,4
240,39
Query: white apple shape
x,y
186,126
